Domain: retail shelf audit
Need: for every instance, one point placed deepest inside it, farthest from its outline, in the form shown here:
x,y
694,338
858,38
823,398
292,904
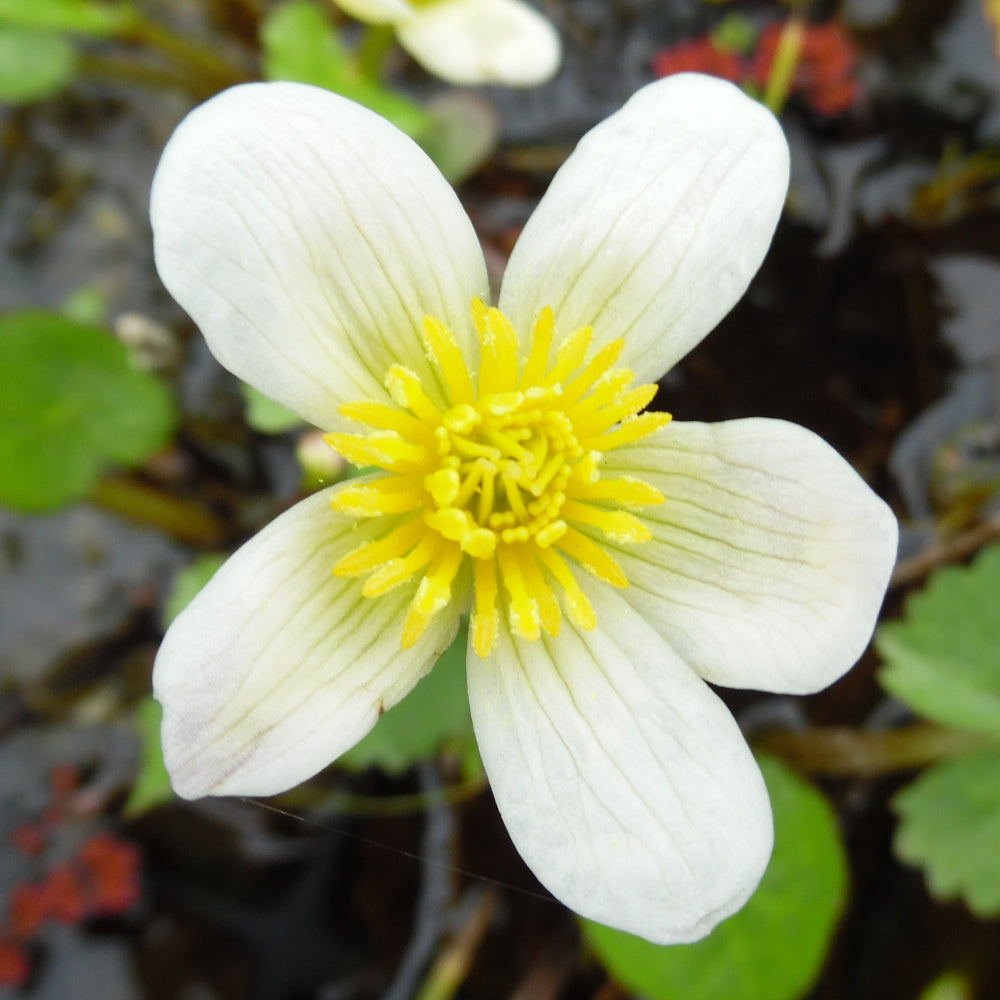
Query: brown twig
x,y
947,550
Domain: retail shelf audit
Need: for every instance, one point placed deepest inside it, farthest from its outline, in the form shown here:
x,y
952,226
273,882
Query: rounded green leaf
x,y
70,406
950,827
33,64
943,658
774,948
91,17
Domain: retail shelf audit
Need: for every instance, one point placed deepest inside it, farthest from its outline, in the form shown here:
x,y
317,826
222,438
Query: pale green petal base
x,y
623,780
277,667
769,558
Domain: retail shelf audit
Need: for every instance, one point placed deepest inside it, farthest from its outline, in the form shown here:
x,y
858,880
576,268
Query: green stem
x,y
864,753
349,804
184,520
130,71
786,61
376,43
215,73
453,963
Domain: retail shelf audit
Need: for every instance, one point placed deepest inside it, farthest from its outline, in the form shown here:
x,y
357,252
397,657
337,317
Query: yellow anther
x,y
443,485
504,403
461,419
405,389
550,534
480,544
452,523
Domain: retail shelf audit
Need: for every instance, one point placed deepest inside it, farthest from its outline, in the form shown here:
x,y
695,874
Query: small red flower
x,y
28,909
66,895
64,780
30,839
110,868
826,73
700,55
15,966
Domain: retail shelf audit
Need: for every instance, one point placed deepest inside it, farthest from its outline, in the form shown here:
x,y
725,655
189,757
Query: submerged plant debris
x,y
873,321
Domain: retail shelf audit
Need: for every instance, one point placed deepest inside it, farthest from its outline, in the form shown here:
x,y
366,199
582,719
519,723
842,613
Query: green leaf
x,y
189,581
774,948
90,17
152,784
299,43
463,134
948,986
70,406
33,64
435,713
263,414
944,656
950,827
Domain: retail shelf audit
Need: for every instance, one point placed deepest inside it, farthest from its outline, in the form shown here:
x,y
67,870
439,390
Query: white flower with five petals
x,y
613,562
469,42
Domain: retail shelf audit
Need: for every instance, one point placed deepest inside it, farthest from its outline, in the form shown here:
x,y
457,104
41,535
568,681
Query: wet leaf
x,y
434,714
33,64
944,656
950,827
774,948
301,44
86,16
70,407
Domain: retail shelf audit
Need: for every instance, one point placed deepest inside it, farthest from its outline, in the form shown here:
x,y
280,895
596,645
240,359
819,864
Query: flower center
x,y
504,475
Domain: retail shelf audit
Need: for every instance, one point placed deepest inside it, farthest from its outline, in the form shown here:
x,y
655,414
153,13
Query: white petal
x,y
376,11
655,225
770,556
468,42
307,237
277,667
623,780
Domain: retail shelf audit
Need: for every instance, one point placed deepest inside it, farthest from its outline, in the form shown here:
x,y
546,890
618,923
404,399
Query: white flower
x,y
469,42
612,563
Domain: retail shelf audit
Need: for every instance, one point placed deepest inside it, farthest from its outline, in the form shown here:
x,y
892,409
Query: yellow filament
x,y
443,346
503,469
367,557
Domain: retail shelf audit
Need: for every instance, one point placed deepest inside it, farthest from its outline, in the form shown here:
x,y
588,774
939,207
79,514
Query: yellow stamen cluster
x,y
505,475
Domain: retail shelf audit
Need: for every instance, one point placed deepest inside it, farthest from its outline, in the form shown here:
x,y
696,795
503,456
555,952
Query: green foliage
x,y
152,783
944,656
70,406
774,948
944,661
464,134
89,17
434,714
189,581
299,43
33,64
265,415
950,826
948,986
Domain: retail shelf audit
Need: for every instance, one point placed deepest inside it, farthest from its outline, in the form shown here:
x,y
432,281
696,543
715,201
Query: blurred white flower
x,y
469,42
